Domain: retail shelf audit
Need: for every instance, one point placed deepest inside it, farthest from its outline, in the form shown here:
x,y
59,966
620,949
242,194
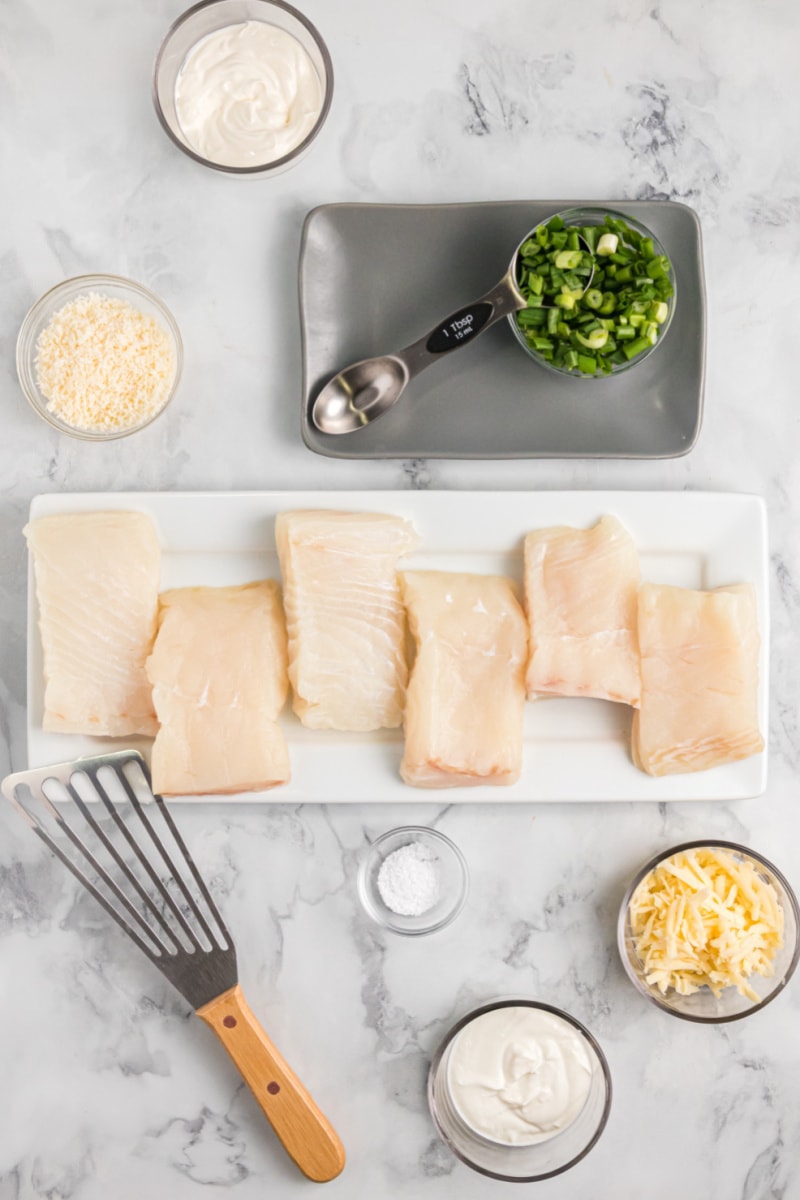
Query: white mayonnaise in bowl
x,y
243,86
519,1090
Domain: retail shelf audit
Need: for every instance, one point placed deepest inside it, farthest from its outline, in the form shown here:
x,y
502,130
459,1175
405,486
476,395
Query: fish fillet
x,y
344,616
580,595
219,675
466,697
97,578
699,679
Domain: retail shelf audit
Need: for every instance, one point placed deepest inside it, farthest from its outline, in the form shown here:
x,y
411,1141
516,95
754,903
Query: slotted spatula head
x,y
138,868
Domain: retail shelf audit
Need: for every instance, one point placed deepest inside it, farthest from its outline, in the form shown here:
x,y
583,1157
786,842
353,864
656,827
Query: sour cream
x,y
247,94
519,1075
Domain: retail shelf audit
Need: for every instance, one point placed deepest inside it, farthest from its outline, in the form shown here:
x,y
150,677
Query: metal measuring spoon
x,y
367,389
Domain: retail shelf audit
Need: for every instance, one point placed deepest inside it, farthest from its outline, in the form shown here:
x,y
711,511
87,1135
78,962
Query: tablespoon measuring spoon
x,y
365,390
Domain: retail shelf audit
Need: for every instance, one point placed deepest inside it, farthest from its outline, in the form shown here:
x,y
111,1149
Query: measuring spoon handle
x,y
463,326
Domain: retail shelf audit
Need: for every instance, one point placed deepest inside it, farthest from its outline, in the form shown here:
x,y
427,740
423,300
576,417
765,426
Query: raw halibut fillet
x,y
97,580
219,675
699,679
466,697
344,615
580,595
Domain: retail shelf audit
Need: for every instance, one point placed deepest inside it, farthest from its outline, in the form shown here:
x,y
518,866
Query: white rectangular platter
x,y
574,749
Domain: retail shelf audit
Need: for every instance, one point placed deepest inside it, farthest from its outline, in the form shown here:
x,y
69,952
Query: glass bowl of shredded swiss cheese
x,y
709,931
99,357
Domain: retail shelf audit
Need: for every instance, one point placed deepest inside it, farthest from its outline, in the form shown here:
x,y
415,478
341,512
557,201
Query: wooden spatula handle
x,y
307,1135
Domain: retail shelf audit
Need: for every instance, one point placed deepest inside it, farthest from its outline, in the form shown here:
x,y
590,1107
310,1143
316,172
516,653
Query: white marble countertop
x,y
111,1089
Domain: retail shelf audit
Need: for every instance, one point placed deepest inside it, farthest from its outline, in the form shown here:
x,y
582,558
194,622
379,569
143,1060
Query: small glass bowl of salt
x,y
413,880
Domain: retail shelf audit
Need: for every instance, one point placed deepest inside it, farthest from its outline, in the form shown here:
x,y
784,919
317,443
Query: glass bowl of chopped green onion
x,y
99,357
600,293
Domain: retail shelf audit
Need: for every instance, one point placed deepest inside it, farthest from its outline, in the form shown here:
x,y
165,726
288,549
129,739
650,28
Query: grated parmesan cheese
x,y
705,918
103,365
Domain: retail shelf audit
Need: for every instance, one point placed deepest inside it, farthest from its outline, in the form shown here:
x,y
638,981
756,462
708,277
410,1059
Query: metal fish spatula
x,y
145,878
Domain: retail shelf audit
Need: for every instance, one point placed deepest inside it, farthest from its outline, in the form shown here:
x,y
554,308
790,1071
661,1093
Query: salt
x,y
408,880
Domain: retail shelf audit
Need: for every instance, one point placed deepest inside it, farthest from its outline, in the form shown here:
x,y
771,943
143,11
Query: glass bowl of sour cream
x,y
519,1090
243,86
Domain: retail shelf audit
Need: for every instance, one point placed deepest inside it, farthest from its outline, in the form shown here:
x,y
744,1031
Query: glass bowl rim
x,y
260,168
74,286
371,852
592,208
519,1002
697,844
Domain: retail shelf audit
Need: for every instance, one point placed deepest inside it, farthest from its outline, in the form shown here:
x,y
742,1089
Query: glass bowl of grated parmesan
x,y
708,931
99,357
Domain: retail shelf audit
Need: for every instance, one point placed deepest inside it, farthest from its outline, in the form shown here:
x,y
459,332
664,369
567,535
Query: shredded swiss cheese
x,y
705,918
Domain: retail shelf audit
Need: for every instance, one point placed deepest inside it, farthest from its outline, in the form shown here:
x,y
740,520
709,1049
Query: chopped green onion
x,y
608,244
595,340
609,303
596,296
589,235
567,260
657,268
636,347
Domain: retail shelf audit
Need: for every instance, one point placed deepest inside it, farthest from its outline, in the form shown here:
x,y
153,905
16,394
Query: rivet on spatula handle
x,y
307,1135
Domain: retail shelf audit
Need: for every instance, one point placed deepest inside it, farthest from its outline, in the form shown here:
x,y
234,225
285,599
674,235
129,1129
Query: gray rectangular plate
x,y
374,277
